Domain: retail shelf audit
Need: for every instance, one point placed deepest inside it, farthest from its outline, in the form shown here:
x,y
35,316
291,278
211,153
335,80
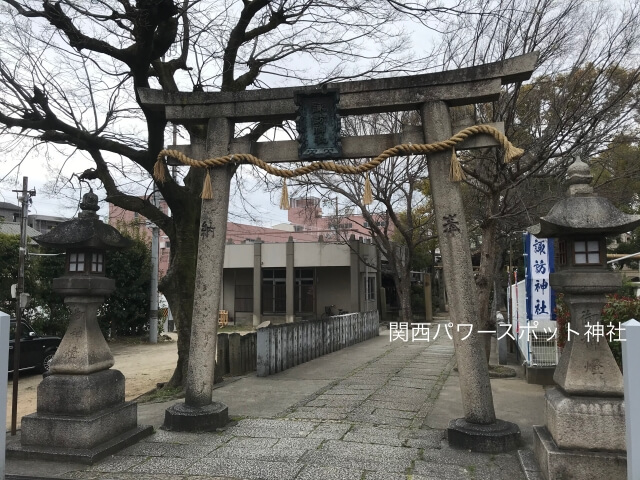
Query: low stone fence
x,y
284,346
236,354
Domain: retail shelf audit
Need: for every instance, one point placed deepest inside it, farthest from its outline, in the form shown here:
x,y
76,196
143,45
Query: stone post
x,y
630,361
381,301
502,339
428,307
478,430
290,282
199,412
383,304
4,366
257,282
354,274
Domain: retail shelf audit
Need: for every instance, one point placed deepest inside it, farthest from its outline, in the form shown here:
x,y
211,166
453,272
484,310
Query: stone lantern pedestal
x,y
584,434
81,413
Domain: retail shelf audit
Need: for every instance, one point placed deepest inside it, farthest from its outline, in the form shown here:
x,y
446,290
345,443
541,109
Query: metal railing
x,y
537,341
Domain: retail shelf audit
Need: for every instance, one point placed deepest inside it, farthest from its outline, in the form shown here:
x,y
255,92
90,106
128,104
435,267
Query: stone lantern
x,y
584,435
81,414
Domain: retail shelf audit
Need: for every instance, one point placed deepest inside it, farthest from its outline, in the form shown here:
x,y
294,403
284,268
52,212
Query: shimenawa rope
x,y
510,153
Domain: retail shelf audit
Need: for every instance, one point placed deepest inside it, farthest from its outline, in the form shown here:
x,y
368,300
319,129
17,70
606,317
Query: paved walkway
x,y
363,413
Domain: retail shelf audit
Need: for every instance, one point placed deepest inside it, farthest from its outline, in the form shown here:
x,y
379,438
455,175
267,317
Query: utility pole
x,y
337,224
24,197
153,311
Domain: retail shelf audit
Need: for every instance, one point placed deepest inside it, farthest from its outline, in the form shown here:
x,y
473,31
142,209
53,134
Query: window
x,y
25,331
97,263
244,298
561,253
298,228
366,225
274,292
76,262
304,291
370,289
587,252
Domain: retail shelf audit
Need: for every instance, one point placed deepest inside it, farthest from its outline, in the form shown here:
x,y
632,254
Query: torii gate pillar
x,y
199,412
479,430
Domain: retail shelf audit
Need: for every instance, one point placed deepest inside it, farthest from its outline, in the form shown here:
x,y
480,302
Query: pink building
x,y
305,215
125,220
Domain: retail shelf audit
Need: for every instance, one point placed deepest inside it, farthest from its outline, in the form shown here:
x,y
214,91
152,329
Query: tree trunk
x,y
402,280
484,281
179,282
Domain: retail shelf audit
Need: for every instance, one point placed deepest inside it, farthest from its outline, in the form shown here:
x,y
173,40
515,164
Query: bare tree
x,y
69,74
400,218
584,94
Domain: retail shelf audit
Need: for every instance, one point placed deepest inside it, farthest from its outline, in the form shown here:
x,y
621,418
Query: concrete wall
x,y
238,256
320,254
332,288
274,255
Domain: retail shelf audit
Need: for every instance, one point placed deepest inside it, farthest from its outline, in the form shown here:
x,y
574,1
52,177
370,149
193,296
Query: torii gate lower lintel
x,y
432,95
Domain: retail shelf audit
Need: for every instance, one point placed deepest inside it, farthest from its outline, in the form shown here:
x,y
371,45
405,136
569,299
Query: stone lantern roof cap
x,y
582,212
87,230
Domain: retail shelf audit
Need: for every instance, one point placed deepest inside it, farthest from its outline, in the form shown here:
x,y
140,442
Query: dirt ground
x,y
144,365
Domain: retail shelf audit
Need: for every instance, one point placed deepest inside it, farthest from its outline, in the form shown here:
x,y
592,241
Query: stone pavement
x,y
363,413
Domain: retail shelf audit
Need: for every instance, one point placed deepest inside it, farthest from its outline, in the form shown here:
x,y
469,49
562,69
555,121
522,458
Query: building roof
x,y
9,206
13,228
48,218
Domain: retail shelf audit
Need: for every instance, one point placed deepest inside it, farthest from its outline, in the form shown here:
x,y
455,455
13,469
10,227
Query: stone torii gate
x,y
430,94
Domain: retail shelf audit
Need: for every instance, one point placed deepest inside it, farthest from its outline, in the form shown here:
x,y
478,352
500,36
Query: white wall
x,y
321,255
238,256
274,255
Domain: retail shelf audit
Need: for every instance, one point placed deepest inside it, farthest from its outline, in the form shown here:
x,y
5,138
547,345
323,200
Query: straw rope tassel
x,y
284,198
512,153
158,170
207,191
456,173
367,198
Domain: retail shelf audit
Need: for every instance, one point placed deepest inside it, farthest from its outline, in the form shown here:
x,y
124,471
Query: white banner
x,y
540,300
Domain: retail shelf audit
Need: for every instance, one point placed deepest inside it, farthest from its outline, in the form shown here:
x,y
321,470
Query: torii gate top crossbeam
x,y
456,87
